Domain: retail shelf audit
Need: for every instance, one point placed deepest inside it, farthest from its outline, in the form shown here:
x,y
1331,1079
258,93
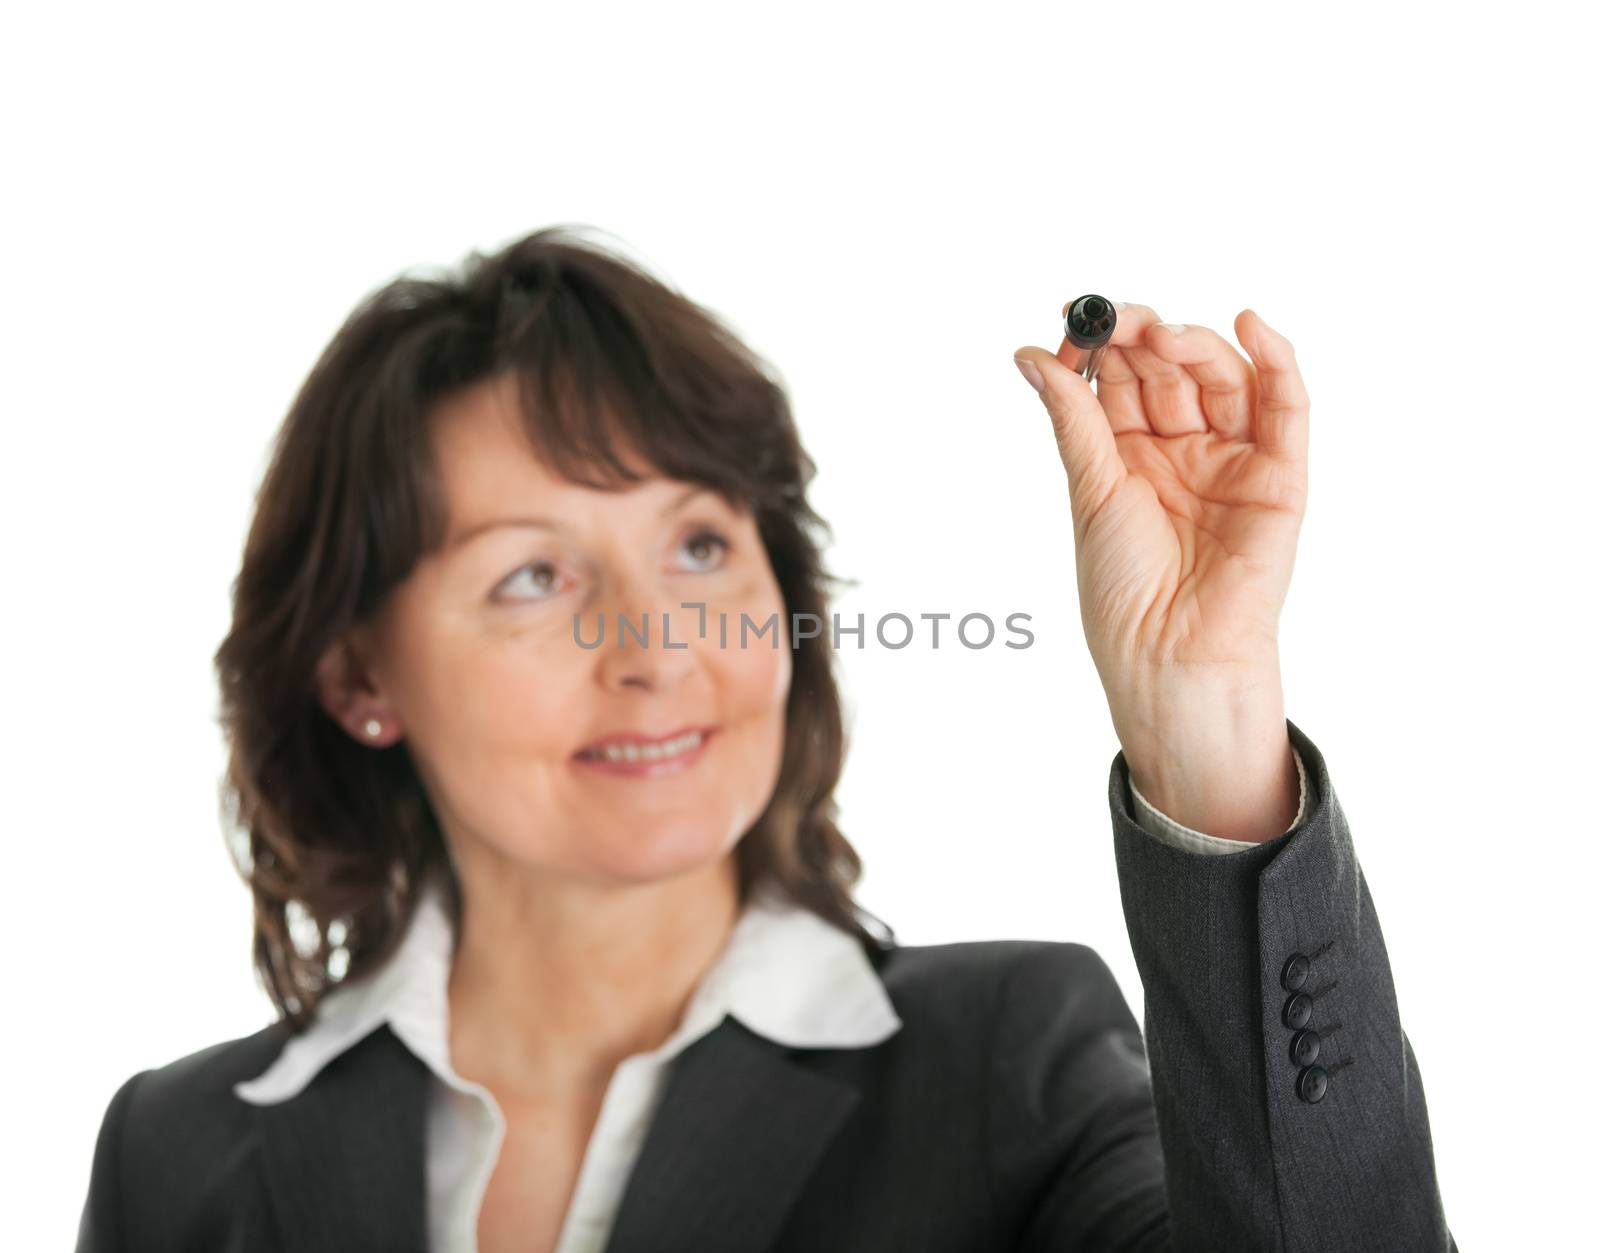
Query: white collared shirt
x,y
785,973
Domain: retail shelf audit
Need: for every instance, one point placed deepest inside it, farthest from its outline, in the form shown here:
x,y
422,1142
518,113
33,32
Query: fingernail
x,y
1121,305
1031,373
1177,328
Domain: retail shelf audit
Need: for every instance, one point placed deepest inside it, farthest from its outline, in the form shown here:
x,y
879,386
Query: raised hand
x,y
1187,475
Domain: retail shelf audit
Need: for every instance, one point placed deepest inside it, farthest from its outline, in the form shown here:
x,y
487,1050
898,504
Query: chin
x,y
659,854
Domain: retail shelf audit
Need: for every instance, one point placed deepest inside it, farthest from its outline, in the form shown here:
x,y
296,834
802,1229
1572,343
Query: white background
x,y
885,202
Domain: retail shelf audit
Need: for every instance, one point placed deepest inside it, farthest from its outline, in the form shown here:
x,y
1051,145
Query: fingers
x,y
1283,409
1138,389
1227,386
1084,437
1118,388
1169,393
1163,382
1117,383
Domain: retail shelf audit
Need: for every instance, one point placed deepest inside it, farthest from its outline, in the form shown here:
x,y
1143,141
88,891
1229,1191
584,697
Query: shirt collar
x,y
786,973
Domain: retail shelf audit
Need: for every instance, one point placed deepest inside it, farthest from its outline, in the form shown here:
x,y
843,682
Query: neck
x,y
554,982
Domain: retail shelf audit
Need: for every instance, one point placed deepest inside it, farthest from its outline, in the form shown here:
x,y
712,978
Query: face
x,y
474,660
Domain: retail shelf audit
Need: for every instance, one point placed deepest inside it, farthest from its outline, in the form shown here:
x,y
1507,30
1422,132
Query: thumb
x,y
1083,432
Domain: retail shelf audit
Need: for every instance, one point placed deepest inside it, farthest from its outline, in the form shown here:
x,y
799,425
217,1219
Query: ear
x,y
347,689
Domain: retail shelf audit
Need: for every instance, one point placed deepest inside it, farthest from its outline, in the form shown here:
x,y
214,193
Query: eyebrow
x,y
552,524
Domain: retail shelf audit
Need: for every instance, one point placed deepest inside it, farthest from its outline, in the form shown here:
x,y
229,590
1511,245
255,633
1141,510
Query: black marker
x,y
1090,321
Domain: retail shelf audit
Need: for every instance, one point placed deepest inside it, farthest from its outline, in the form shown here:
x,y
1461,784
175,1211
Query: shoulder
x,y
207,1075
1041,1027
1030,985
168,1123
190,1099
921,968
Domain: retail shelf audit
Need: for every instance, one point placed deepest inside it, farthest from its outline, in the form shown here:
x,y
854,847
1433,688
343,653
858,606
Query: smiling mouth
x,y
664,750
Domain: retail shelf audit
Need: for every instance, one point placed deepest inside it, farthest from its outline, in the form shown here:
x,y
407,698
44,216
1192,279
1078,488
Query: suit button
x,y
1312,1084
1295,971
1305,1046
1297,1010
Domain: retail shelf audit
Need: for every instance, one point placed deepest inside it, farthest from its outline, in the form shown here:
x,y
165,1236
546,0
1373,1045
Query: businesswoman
x,y
554,910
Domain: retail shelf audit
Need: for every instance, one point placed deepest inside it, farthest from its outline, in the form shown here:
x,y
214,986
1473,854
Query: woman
x,y
555,913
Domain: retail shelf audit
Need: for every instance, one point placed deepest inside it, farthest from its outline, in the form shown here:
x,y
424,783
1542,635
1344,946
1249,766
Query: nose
x,y
649,642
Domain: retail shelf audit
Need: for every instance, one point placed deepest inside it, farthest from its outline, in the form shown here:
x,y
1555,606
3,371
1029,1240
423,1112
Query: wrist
x,y
1214,756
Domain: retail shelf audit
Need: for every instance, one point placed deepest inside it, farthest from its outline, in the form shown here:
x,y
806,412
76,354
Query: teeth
x,y
646,752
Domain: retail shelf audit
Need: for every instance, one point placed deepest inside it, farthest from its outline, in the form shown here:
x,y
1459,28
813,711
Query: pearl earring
x,y
373,728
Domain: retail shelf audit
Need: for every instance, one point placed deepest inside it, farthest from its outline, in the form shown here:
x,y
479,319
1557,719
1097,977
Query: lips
x,y
649,758
641,739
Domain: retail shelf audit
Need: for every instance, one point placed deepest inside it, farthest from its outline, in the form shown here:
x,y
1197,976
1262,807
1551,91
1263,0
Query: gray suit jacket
x,y
1015,1110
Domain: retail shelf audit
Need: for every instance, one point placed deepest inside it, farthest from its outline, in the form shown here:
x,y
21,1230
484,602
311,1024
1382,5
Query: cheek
x,y
755,696
476,704
752,702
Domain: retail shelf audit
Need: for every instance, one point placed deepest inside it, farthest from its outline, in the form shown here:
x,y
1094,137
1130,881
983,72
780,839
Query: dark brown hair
x,y
337,837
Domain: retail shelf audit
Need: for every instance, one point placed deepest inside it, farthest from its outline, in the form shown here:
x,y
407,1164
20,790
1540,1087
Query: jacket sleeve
x,y
1288,1100
100,1227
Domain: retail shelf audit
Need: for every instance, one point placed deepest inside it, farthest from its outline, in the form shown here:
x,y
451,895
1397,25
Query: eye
x,y
543,577
703,539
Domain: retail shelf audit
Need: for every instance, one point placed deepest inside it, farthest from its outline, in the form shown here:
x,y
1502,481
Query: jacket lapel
x,y
739,1130
343,1159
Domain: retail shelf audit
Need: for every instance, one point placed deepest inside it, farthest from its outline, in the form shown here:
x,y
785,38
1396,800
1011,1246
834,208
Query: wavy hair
x,y
334,838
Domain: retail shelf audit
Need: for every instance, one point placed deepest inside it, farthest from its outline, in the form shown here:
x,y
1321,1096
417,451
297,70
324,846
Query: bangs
x,y
606,396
